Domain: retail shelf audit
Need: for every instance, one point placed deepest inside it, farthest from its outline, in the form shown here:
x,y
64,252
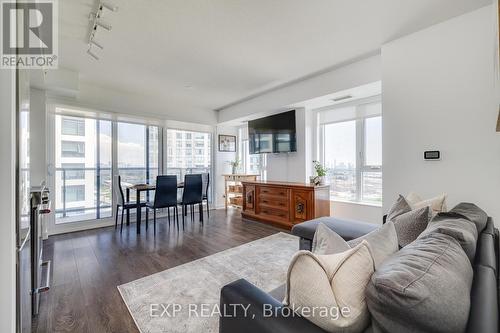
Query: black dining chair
x,y
192,195
205,178
120,201
165,197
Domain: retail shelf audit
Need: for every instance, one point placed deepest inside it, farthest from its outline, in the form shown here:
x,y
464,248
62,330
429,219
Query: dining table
x,y
138,188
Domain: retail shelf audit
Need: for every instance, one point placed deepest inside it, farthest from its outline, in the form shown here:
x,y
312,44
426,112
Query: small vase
x,y
235,169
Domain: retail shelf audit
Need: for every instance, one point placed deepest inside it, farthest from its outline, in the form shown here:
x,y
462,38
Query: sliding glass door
x,y
85,163
82,169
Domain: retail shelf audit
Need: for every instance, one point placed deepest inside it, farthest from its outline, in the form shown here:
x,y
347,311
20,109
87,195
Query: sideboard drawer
x,y
276,191
274,202
276,214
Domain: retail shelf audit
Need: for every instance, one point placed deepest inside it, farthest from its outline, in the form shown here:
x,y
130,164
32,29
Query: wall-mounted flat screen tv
x,y
273,134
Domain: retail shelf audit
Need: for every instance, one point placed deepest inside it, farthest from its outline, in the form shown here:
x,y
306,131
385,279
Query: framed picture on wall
x,y
227,143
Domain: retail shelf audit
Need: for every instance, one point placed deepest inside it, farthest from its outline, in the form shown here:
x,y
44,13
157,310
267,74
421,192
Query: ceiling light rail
x,y
96,23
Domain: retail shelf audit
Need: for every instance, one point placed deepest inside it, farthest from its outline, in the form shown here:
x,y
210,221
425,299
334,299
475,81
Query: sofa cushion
x,y
335,281
383,242
454,225
473,213
345,228
424,287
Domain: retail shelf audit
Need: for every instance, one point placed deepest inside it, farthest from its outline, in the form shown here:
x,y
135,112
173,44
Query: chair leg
x,y
154,220
176,216
116,217
200,209
121,224
208,210
168,214
147,219
183,217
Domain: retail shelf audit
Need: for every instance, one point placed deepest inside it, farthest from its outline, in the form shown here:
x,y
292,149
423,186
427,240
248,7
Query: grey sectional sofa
x,y
484,309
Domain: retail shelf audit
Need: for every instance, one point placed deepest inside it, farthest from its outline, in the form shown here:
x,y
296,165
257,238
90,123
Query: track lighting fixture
x,y
97,22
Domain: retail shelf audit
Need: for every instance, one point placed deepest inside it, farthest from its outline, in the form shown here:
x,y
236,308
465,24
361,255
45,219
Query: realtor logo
x,y
29,34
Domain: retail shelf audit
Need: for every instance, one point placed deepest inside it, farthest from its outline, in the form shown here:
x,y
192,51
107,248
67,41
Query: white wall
x,y
38,131
438,93
7,204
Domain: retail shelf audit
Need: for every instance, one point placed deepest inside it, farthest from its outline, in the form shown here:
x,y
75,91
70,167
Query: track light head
x,y
96,43
104,25
92,54
108,6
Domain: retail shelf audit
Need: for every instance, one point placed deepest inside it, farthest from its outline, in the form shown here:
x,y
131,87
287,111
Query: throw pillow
x,y
411,224
437,204
400,207
327,283
425,287
383,242
327,241
456,226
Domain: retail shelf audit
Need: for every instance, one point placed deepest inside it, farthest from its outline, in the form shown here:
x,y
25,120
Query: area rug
x,y
186,298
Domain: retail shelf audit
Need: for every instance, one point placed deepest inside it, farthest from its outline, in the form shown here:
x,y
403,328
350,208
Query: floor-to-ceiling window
x,y
82,169
188,152
351,150
84,163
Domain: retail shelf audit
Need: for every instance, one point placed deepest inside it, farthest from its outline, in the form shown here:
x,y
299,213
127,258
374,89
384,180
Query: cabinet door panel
x,y
302,205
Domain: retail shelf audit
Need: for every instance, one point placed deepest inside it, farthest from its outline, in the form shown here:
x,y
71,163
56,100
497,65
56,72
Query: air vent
x,y
341,98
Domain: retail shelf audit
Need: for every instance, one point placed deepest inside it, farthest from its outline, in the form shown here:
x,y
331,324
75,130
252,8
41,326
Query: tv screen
x,y
273,134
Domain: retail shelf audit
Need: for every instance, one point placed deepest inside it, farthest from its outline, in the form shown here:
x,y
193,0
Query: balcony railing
x,y
87,193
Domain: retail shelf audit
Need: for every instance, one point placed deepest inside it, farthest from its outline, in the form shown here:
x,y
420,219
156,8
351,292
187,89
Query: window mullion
x,y
360,158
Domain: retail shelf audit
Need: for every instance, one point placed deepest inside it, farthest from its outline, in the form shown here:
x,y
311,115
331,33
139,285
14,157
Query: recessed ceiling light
x,y
188,86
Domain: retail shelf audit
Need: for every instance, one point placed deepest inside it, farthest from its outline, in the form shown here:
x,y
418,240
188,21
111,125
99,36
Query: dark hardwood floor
x,y
89,265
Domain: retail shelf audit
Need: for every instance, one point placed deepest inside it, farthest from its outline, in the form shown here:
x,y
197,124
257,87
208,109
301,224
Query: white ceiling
x,y
211,53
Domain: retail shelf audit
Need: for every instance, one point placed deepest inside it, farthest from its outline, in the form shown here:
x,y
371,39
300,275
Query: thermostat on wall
x,y
432,155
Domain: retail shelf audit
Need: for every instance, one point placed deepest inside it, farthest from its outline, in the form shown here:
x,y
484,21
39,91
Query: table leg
x,y
138,201
128,210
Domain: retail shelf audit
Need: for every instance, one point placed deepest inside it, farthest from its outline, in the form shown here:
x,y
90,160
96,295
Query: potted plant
x,y
235,165
321,171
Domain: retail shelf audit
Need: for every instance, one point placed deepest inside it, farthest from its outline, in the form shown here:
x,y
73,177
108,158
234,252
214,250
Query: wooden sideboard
x,y
284,203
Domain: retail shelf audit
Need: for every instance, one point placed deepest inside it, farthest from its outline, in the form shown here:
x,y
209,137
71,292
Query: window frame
x,y
361,165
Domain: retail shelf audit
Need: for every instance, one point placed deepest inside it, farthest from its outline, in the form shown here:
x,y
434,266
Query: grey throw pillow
x,y
473,213
327,241
424,287
411,224
382,242
400,207
456,226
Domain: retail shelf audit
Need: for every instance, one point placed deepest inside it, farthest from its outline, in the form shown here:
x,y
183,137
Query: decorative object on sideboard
x,y
321,171
235,165
227,143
